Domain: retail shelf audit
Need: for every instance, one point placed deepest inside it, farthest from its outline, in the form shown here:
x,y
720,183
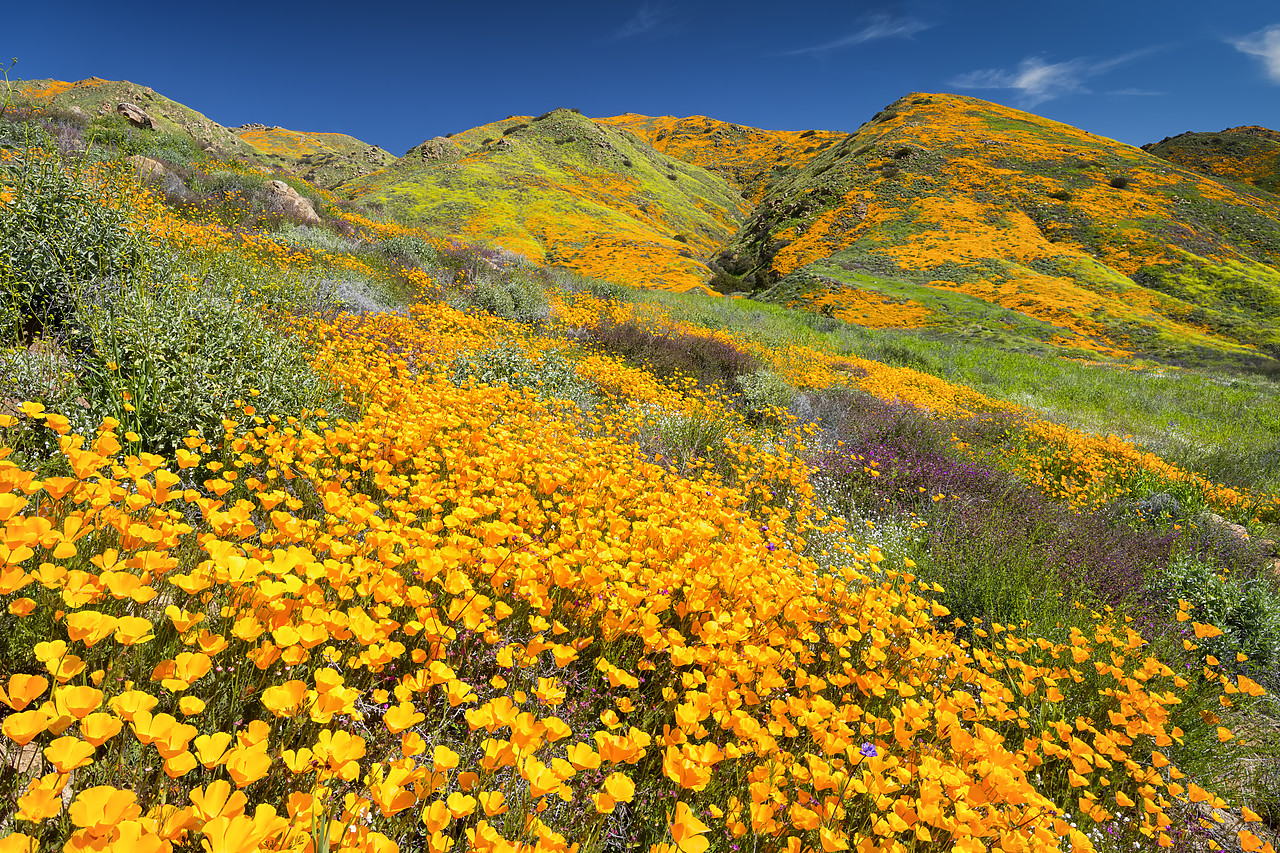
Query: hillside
x,y
98,100
1250,155
325,159
323,532
984,221
564,190
750,158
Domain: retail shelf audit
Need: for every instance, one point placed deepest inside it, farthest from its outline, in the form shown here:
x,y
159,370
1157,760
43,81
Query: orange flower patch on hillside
x,y
865,308
466,601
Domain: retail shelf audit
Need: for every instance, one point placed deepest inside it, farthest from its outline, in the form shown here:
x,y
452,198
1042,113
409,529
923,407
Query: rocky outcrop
x,y
136,115
285,200
437,148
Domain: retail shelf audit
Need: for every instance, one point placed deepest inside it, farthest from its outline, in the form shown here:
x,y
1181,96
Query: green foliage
x,y
553,375
764,394
57,235
515,295
407,250
1243,604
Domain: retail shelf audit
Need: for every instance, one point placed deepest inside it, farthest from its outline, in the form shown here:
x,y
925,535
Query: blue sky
x,y
395,73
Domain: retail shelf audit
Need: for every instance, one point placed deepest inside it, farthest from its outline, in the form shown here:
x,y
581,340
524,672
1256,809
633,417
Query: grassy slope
x,y
99,97
1250,155
562,189
325,159
750,158
996,224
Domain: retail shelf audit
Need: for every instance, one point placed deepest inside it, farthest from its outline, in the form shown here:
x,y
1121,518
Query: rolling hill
x,y
325,159
97,99
943,213
1250,155
985,221
564,190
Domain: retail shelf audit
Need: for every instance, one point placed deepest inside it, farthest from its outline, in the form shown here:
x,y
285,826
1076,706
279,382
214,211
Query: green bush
x,y
57,235
1244,607
407,250
509,294
763,394
553,376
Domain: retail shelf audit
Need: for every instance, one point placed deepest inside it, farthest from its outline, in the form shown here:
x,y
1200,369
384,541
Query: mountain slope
x,y
99,98
325,159
750,158
564,190
1250,155
990,222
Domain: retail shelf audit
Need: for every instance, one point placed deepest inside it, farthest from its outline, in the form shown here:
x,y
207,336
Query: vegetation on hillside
x,y
506,558
749,158
563,190
991,223
327,160
1249,155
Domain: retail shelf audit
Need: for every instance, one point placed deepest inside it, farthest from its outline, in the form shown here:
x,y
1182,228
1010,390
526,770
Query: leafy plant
x,y
57,235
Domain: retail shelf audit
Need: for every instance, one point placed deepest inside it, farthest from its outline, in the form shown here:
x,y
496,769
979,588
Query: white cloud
x,y
647,18
1264,44
1038,81
878,26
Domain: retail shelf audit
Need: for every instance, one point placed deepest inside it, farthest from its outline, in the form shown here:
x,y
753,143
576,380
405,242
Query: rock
x,y
149,171
135,115
1239,531
79,114
437,148
284,199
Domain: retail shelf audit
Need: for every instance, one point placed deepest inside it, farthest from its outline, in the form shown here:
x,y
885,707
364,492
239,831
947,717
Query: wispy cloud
x,y
876,27
1038,81
1264,44
646,19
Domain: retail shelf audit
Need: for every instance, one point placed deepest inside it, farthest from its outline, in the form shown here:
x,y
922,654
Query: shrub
x,y
1061,195
1245,607
56,235
1119,182
551,376
407,250
764,394
710,361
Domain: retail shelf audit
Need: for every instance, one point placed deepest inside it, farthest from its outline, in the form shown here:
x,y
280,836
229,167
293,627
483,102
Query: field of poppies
x,y
456,552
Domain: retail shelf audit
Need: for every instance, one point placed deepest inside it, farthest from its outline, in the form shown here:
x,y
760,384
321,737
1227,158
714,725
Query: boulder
x,y
284,199
80,114
148,171
135,115
437,148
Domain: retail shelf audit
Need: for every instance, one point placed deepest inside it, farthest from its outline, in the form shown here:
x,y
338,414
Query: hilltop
x,y
325,159
564,190
980,220
97,100
1249,155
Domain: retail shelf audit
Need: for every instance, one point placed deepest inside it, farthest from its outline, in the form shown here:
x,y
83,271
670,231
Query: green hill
x,y
99,99
1250,155
982,221
325,159
563,189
